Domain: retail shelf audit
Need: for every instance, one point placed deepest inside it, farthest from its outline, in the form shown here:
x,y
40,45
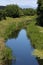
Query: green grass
x,y
34,32
11,24
36,37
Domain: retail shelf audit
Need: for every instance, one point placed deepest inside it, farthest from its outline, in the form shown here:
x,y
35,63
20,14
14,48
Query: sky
x,y
21,3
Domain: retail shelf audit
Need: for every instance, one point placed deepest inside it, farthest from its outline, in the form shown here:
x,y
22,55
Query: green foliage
x,y
15,11
7,54
12,11
21,12
40,12
35,35
2,14
29,11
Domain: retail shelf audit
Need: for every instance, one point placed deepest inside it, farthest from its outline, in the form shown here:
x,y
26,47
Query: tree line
x,y
15,11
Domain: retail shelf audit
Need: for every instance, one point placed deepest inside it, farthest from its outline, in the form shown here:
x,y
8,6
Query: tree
x,y
12,11
2,14
40,12
21,12
29,11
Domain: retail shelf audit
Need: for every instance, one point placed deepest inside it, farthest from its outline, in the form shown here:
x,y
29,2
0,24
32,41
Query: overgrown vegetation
x,y
10,25
2,14
35,35
29,12
6,55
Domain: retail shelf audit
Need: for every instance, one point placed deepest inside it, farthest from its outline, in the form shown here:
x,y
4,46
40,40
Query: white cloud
x,y
32,3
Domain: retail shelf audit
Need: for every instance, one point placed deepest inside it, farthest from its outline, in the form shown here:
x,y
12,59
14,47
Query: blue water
x,y
22,49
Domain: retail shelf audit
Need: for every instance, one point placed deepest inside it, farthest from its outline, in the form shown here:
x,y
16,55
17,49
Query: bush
x,y
7,54
2,14
29,11
12,11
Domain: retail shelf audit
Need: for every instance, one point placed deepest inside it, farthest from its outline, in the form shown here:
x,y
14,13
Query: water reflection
x,y
10,62
22,49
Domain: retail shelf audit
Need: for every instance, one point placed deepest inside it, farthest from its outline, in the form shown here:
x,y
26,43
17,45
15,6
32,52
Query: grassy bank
x,y
10,26
35,33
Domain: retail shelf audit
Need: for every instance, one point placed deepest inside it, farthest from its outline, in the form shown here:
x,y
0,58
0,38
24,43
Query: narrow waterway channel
x,y
22,49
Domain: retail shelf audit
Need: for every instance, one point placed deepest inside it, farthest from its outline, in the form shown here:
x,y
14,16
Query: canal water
x,y
22,49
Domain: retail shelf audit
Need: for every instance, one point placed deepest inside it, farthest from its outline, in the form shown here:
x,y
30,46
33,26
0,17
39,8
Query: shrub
x,y
12,11
2,14
29,11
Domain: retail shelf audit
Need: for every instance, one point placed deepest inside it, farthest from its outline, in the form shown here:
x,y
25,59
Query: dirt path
x,y
2,47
